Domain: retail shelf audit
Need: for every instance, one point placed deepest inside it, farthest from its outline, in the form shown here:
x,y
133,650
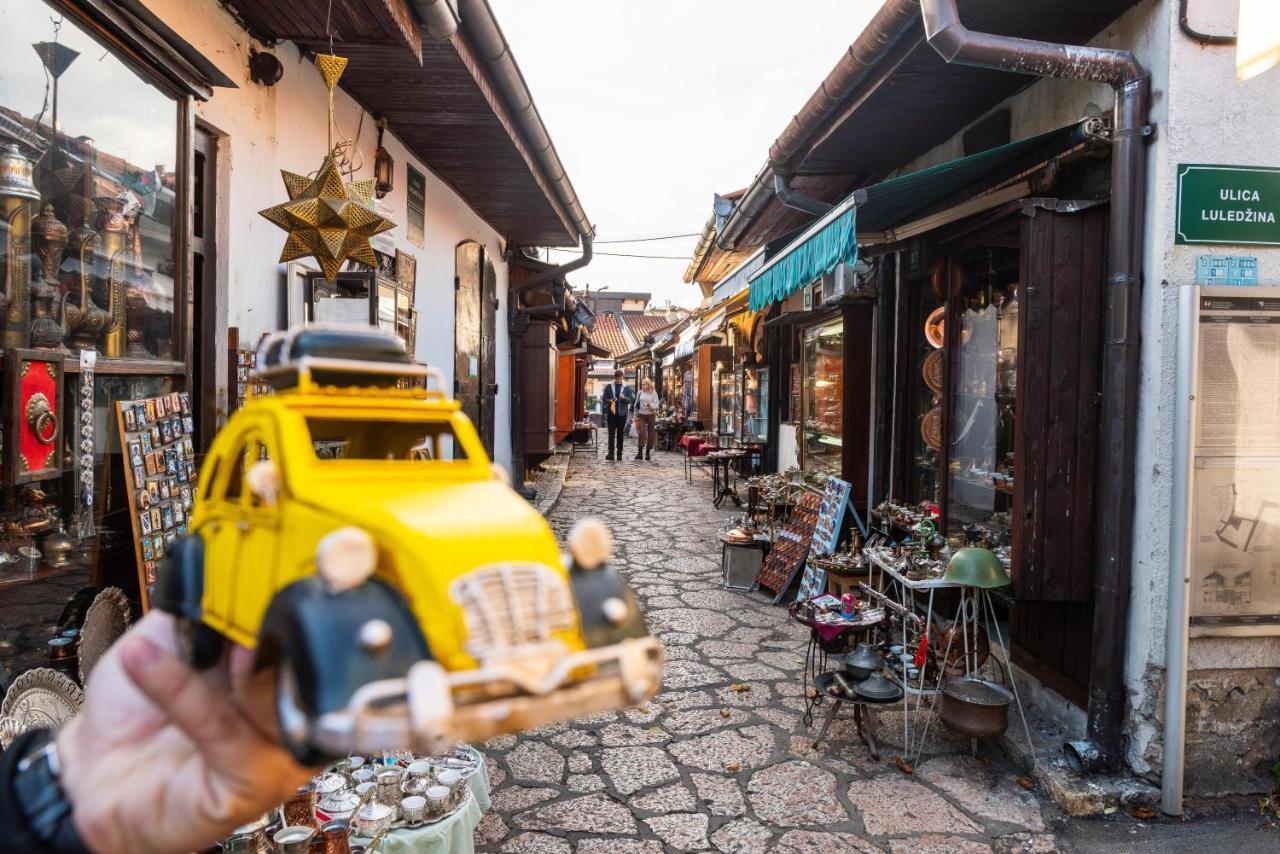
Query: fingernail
x,y
140,655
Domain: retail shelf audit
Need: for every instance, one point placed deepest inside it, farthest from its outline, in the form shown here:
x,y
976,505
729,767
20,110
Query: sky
x,y
655,105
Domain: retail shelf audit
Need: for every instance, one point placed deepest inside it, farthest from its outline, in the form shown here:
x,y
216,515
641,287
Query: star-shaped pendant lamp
x,y
326,218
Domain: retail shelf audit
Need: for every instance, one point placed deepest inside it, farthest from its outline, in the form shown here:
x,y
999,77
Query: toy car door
x,y
224,485
259,529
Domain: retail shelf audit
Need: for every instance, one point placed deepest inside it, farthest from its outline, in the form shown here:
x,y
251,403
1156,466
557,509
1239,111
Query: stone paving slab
x,y
720,760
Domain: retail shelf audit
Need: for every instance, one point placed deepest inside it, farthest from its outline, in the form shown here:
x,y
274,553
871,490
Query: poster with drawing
x,y
1235,478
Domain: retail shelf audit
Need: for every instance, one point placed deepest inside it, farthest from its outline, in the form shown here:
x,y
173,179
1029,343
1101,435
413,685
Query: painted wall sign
x,y
1228,204
417,202
1235,270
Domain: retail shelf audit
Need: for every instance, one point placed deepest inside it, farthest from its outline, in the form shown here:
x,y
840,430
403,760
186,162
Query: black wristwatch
x,y
34,789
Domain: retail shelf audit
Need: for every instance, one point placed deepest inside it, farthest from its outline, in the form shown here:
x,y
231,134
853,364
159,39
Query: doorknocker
x,y
41,420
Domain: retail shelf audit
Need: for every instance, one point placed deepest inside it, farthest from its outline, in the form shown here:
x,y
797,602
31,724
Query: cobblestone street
x,y
721,760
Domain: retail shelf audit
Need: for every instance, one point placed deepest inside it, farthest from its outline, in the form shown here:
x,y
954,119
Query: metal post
x,y
1176,629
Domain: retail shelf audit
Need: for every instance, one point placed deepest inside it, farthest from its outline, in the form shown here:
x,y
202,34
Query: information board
x,y
1235,478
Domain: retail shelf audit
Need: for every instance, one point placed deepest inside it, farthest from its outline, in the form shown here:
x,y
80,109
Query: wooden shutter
x,y
1059,380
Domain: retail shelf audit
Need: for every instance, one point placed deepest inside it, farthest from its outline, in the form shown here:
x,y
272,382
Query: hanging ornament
x,y
326,218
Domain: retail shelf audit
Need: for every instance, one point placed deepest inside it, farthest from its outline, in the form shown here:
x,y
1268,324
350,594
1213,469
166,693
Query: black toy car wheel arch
x,y
312,637
598,593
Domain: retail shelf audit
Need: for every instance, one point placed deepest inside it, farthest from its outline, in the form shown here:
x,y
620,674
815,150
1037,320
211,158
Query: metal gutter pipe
x,y
480,26
439,17
795,199
1184,22
1102,746
894,18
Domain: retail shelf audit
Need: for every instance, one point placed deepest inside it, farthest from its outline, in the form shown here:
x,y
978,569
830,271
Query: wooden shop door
x,y
475,321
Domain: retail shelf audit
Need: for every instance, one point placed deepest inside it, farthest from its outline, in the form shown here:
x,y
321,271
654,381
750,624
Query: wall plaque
x,y
1228,204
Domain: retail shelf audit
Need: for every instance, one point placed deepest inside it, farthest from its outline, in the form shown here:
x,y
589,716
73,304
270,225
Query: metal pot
x,y
974,707
863,661
878,689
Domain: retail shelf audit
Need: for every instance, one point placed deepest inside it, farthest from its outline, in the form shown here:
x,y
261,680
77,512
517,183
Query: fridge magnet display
x,y
157,446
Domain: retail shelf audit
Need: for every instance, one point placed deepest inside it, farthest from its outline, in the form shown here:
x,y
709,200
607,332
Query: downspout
x,y
796,200
1184,22
1102,746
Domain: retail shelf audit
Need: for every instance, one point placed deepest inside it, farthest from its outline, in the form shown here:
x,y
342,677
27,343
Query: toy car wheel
x,y
198,645
297,724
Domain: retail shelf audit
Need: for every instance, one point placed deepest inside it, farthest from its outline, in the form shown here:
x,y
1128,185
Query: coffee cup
x,y
413,809
295,839
437,801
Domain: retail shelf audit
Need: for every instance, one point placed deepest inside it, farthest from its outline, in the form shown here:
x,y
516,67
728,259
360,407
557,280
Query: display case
x,y
755,403
823,399
980,472
728,401
924,357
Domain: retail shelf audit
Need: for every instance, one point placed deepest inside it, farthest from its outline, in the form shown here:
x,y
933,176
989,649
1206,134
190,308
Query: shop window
x,y
923,393
980,460
728,393
100,211
823,404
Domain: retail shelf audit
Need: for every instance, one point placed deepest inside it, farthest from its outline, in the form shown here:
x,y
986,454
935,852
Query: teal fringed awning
x,y
836,243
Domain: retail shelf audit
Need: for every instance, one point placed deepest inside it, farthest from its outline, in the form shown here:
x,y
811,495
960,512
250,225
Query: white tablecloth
x,y
452,835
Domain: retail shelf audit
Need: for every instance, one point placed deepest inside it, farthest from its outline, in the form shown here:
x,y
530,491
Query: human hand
x,y
160,759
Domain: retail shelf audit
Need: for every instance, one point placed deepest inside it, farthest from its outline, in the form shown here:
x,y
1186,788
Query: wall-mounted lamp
x,y
264,68
384,168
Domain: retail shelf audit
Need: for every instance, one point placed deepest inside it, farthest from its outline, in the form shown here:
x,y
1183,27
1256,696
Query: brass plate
x,y
42,697
931,428
106,620
932,371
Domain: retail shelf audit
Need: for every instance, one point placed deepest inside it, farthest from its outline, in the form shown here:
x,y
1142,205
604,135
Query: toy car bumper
x,y
431,709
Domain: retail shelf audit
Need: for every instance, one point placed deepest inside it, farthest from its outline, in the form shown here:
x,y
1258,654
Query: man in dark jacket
x,y
617,400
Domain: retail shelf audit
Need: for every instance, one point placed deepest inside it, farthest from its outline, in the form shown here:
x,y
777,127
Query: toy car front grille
x,y
511,605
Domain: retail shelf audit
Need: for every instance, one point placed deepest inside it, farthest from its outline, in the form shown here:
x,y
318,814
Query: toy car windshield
x,y
384,440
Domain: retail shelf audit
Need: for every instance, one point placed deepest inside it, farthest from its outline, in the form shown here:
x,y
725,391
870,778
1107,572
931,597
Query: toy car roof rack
x,y
307,357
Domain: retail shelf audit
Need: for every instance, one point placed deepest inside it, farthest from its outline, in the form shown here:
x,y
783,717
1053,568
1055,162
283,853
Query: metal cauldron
x,y
975,707
863,661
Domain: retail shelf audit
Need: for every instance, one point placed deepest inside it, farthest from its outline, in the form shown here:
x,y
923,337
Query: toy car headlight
x,y
345,558
590,544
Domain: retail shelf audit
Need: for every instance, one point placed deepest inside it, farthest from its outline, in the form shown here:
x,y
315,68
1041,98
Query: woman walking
x,y
646,413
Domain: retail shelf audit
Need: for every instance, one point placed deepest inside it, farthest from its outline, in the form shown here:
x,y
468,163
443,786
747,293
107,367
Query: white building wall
x,y
267,129
1201,114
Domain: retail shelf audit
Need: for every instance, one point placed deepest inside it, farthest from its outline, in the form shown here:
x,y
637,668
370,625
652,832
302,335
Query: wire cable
x,y
628,255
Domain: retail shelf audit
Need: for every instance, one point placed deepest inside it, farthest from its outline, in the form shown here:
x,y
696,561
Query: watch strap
x,y
40,796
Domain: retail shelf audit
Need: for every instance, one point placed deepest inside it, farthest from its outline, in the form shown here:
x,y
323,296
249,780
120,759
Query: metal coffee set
x,y
360,798
377,797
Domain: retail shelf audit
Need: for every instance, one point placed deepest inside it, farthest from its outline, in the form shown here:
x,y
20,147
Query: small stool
x,y
826,683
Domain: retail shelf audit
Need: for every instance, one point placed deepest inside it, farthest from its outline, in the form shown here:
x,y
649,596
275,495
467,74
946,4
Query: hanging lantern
x,y
384,168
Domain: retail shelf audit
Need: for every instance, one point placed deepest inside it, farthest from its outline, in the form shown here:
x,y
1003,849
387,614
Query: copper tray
x,y
935,327
931,428
932,371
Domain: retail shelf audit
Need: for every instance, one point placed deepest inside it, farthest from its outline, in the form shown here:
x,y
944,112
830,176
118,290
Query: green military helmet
x,y
975,567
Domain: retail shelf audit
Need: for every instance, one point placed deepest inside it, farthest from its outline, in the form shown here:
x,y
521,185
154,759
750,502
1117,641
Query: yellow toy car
x,y
354,533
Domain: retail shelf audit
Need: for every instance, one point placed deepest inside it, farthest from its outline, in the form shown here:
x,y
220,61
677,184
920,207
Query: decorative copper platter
x,y
106,620
932,371
931,428
935,327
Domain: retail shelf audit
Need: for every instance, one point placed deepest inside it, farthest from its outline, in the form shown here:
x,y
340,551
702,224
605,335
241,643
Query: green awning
x,y
832,240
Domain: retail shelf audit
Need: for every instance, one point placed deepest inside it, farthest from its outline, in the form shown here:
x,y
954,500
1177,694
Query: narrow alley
x,y
709,765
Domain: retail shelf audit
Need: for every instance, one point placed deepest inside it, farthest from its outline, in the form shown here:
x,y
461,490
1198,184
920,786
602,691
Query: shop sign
x,y
1228,204
1234,270
417,203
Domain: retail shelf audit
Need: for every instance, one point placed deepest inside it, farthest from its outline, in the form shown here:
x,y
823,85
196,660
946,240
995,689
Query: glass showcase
x,y
728,394
755,403
823,411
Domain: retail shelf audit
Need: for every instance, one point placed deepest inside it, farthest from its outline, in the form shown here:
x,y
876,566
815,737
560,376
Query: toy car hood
x,y
433,537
